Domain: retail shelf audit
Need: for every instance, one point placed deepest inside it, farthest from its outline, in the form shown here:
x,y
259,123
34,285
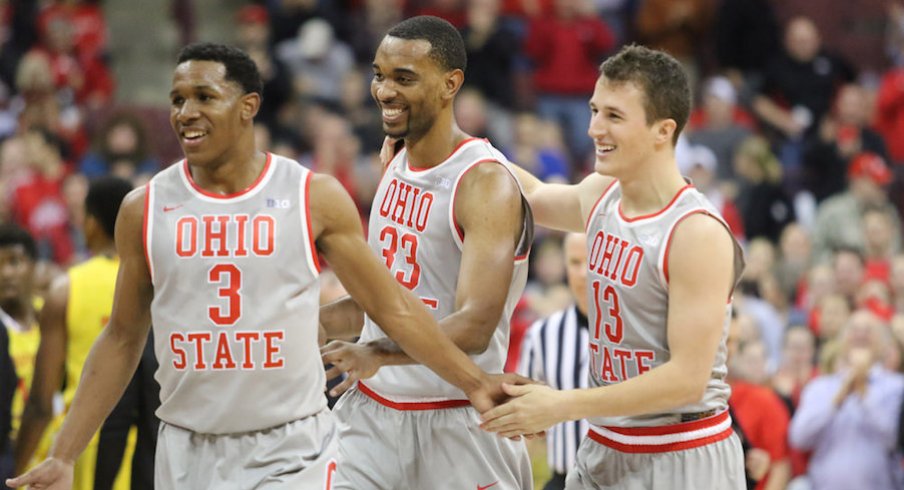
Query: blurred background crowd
x,y
797,135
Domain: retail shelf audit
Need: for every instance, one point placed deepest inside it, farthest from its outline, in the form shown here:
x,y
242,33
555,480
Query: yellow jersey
x,y
23,348
91,286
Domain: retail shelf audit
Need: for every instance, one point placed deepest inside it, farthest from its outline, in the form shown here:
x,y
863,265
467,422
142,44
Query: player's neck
x,y
235,174
435,146
651,188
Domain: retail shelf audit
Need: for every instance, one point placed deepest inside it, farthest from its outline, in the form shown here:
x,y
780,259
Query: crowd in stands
x,y
797,136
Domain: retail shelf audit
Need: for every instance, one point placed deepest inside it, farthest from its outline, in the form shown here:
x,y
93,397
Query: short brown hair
x,y
667,94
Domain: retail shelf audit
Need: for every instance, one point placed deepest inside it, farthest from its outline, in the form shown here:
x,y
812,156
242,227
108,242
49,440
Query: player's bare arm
x,y
48,375
342,319
700,282
112,359
488,209
340,238
562,207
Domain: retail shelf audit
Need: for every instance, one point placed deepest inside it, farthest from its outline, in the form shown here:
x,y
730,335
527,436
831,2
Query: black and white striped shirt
x,y
555,351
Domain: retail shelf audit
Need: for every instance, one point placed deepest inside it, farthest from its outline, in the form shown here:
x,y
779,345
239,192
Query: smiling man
x,y
661,267
452,226
221,253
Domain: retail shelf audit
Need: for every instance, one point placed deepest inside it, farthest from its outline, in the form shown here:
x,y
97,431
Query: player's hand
x,y
757,463
491,393
388,150
358,361
51,474
532,409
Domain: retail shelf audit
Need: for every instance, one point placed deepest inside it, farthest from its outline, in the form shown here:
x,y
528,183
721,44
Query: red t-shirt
x,y
763,418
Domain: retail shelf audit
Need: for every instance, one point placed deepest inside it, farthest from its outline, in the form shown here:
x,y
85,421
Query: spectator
x,y
746,38
492,47
566,49
795,252
758,410
720,124
121,149
841,136
253,35
702,172
677,27
764,206
798,89
848,419
37,202
879,243
897,282
316,61
798,365
838,219
832,312
538,148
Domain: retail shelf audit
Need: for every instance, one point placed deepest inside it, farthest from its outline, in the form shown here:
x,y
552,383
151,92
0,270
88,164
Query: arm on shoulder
x,y
561,206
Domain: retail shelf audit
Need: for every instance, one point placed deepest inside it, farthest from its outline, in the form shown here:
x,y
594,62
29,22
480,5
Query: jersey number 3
x,y
229,277
391,241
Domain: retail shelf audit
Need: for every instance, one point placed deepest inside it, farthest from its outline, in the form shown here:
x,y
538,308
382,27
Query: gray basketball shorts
x,y
298,455
417,446
699,455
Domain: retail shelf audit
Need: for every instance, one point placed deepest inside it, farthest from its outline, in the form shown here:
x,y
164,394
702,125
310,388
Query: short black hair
x,y
105,195
12,235
240,68
446,45
661,78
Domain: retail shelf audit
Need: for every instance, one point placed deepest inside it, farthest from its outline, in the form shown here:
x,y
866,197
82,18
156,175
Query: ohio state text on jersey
x,y
413,229
236,300
627,275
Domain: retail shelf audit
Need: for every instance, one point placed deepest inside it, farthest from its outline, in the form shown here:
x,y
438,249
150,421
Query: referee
x,y
555,352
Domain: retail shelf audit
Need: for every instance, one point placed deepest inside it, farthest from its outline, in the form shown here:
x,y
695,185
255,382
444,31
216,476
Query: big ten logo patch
x,y
278,203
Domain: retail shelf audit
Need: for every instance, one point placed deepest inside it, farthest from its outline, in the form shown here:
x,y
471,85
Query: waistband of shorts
x,y
431,405
664,438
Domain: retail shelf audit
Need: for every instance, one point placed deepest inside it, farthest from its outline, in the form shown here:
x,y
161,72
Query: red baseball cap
x,y
252,14
870,165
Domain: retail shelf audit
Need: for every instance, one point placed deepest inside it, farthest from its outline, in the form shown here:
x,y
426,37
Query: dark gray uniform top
x,y
628,289
236,300
413,229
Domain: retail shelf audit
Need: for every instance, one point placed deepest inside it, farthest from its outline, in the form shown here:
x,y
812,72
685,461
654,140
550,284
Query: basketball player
x,y
77,308
450,222
220,252
661,268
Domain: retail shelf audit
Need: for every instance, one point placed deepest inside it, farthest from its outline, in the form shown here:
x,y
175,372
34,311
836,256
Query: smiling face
x,y
407,86
208,112
619,128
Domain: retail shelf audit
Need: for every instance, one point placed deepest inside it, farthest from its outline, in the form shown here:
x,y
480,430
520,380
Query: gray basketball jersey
x,y
627,280
236,300
413,229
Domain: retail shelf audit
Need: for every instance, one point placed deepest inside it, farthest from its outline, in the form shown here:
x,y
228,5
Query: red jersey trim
x,y
657,213
664,448
144,229
455,226
315,258
454,150
665,438
242,192
597,205
437,405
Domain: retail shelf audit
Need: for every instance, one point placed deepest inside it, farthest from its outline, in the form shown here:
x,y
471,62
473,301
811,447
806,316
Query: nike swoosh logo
x,y
487,486
167,209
